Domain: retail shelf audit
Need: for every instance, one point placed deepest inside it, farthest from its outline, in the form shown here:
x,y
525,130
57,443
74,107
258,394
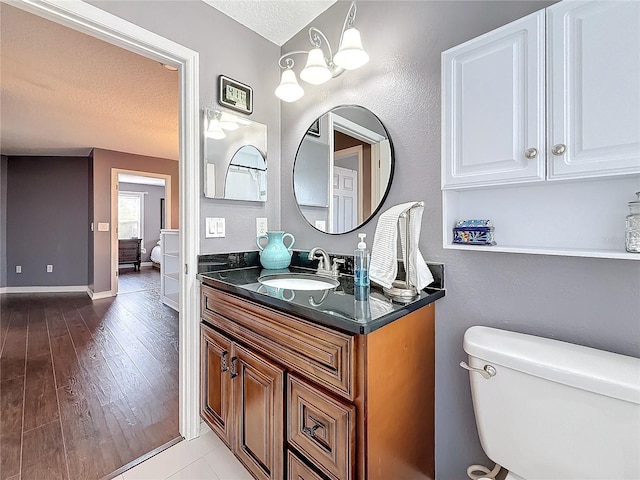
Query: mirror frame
x,y
389,182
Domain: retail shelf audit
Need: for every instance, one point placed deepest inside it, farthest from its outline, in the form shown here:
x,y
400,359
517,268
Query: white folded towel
x,y
384,254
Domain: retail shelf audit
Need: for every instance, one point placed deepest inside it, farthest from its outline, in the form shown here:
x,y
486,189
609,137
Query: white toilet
x,y
547,409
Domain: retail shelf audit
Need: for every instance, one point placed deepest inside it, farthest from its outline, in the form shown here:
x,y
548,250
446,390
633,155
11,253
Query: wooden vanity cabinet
x,y
297,400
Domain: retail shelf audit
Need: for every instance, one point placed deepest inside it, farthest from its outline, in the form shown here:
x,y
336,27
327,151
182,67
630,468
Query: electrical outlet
x,y
261,226
49,268
18,268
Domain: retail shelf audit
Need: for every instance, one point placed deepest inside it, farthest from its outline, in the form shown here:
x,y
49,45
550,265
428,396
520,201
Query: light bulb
x,y
289,90
316,70
351,54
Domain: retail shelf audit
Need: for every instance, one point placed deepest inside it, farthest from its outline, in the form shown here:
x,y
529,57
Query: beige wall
x,y
103,162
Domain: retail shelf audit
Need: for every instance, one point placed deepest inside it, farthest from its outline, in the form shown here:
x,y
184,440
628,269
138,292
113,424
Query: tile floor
x,y
203,458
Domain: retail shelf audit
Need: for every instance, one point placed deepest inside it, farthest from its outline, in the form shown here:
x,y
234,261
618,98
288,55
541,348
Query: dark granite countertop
x,y
336,308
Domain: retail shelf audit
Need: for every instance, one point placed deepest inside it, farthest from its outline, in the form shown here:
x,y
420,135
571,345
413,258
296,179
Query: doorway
x,y
98,23
153,194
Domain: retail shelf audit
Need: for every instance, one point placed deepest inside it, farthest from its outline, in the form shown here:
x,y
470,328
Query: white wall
x,y
225,48
594,302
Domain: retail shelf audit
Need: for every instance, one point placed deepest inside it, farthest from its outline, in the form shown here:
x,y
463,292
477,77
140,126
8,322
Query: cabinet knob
x,y
531,153
559,149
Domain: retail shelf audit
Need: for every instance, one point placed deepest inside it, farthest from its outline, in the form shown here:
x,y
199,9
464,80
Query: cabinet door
x,y
258,394
215,388
493,107
594,88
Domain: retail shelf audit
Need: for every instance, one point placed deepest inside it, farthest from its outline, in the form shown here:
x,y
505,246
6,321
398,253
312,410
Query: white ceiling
x,y
275,20
63,92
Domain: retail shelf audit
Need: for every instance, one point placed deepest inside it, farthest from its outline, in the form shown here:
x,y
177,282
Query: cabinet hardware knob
x,y
559,149
531,153
224,366
487,372
311,431
234,373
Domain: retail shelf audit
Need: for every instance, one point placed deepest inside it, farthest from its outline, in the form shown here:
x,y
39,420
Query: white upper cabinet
x,y
493,107
593,58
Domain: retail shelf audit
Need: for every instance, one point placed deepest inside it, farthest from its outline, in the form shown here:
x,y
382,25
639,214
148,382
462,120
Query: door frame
x,y
98,23
115,189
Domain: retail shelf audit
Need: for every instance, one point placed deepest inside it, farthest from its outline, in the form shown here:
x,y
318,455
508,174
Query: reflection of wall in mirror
x,y
311,178
244,183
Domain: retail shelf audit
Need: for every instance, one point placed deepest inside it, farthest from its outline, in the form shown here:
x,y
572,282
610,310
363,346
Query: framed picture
x,y
235,95
314,129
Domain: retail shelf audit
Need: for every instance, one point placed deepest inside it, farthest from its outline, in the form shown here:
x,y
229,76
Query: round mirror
x,y
343,169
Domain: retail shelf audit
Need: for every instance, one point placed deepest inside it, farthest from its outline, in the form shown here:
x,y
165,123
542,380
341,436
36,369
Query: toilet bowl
x,y
552,410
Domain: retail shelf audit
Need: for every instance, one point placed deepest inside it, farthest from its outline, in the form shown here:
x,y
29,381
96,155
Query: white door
x,y
493,107
594,88
345,200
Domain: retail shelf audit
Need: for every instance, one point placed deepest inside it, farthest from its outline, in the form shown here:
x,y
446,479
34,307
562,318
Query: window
x,y
130,215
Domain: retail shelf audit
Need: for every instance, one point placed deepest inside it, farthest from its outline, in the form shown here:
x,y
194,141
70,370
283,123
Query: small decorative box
x,y
474,232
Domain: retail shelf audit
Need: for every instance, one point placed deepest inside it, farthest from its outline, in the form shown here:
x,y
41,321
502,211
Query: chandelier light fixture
x,y
319,67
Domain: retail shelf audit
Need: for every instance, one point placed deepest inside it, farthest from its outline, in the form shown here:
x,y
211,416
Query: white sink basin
x,y
298,281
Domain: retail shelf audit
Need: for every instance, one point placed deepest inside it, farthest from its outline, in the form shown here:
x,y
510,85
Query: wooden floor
x,y
86,387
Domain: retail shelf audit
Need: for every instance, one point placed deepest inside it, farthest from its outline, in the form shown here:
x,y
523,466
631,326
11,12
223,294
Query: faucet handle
x,y
335,268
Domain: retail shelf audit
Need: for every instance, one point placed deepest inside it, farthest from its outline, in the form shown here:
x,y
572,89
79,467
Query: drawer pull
x,y
224,366
234,373
311,431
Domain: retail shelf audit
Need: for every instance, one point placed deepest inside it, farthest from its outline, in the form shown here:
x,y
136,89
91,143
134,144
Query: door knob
x,y
559,149
531,153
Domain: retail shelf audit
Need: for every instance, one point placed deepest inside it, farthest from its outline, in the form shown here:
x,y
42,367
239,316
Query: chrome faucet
x,y
325,266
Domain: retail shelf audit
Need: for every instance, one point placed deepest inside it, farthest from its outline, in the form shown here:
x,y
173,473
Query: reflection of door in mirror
x,y
341,177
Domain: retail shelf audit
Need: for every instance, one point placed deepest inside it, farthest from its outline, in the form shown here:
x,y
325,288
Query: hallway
x,y
86,387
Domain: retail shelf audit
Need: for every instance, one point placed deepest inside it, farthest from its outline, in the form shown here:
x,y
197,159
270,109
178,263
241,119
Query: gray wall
x,y
227,48
3,221
151,213
47,211
594,302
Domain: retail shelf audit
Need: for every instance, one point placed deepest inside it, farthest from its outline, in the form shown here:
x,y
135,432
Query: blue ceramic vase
x,y
275,254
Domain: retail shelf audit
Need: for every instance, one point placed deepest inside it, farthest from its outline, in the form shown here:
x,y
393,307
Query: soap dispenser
x,y
361,269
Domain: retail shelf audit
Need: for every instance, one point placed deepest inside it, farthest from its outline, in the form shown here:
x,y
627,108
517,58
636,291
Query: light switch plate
x,y
18,268
261,226
214,227
103,227
321,225
49,268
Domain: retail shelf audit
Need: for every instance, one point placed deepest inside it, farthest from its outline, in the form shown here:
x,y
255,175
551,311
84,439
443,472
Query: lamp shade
x,y
351,54
289,90
316,70
216,133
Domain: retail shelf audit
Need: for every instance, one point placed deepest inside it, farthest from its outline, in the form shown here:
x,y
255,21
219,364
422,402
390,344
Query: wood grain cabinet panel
x,y
323,355
322,428
215,391
298,470
258,398
341,407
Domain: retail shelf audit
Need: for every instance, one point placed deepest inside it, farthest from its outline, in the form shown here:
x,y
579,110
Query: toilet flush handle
x,y
488,371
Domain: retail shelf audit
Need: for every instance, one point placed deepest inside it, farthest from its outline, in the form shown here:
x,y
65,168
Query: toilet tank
x,y
555,410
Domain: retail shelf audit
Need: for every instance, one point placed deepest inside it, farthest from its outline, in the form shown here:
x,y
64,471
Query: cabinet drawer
x,y
323,355
297,470
322,428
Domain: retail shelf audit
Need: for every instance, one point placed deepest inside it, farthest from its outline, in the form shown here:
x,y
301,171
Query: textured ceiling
x,y
64,92
275,20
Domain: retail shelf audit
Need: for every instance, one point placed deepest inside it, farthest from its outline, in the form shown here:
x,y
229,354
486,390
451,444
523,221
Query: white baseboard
x,y
146,264
98,295
39,289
